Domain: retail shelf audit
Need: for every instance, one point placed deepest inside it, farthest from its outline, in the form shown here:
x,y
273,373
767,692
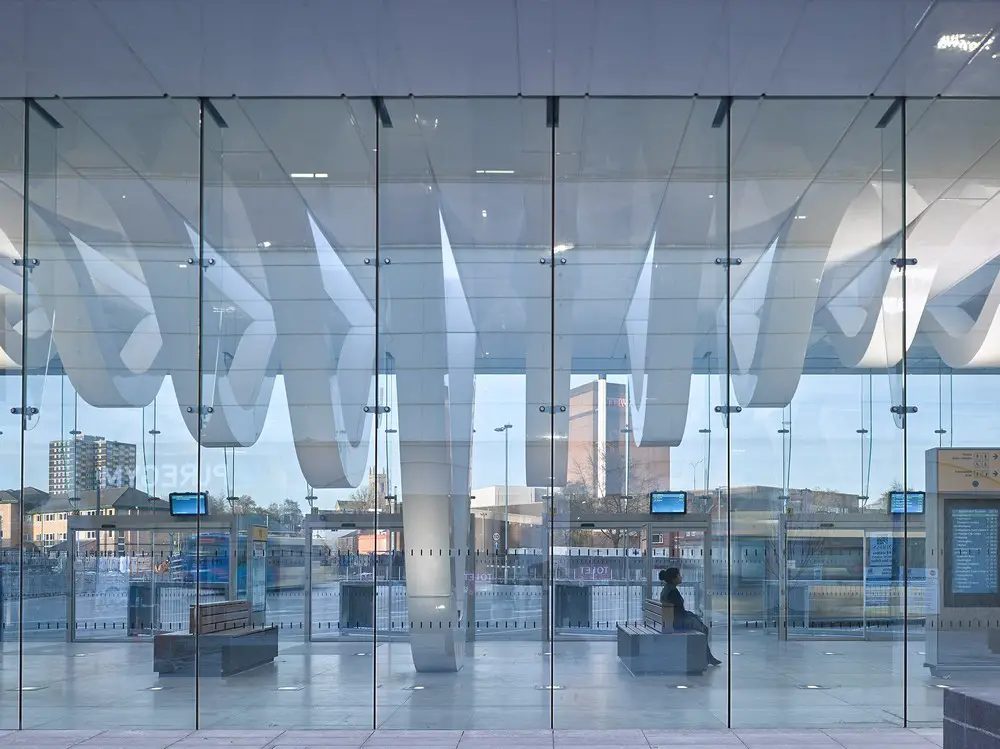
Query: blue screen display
x,y
189,503
910,503
668,503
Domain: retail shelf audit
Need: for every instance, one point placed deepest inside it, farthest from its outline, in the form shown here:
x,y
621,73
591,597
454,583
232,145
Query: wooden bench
x,y
221,640
655,647
658,615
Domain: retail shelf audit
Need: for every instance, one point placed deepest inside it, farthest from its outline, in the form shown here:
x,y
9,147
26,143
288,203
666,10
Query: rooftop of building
x,y
116,497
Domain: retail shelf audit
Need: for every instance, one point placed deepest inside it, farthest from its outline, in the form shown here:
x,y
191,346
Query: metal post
x,y
154,610
234,542
71,595
470,590
506,500
864,583
647,571
307,530
706,588
506,494
782,577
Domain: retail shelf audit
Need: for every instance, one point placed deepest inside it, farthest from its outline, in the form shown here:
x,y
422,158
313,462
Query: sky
x,y
826,450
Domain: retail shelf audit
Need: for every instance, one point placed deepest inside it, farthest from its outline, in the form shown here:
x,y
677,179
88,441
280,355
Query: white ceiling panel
x,y
847,44
497,47
746,61
169,35
263,48
12,47
71,50
943,43
555,40
641,48
445,46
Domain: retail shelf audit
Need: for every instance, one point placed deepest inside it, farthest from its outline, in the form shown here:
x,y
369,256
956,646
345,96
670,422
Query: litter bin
x,y
357,605
141,609
572,605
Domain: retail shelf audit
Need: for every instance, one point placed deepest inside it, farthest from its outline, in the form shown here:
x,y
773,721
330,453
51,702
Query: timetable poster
x,y
974,550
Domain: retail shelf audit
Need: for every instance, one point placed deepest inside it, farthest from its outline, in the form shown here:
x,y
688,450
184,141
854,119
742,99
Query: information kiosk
x,y
963,521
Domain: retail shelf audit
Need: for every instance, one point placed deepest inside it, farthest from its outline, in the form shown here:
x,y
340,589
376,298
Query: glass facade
x,y
425,362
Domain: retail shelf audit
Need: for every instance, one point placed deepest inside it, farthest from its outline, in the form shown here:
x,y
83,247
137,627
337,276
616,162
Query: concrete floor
x,y
627,739
505,684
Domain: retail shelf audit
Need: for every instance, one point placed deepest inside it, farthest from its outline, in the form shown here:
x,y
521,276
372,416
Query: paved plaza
x,y
575,685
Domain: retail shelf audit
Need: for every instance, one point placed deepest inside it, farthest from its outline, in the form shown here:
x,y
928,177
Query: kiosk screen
x,y
972,530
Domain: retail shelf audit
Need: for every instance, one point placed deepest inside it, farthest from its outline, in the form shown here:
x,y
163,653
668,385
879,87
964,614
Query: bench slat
x,y
219,616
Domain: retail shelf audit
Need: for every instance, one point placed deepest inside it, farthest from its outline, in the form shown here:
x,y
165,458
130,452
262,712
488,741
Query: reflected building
x,y
85,462
603,456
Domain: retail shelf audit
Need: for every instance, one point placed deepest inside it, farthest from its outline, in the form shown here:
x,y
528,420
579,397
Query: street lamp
x,y
506,491
694,473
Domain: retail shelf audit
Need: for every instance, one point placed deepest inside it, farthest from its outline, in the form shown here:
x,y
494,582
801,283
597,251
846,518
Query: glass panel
x,y
953,173
464,352
815,362
289,287
14,502
114,194
640,223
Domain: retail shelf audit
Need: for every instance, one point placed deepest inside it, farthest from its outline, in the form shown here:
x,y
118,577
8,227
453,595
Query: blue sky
x,y
826,449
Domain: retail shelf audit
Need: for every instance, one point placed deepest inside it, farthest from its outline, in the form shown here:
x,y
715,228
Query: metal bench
x,y
655,647
221,641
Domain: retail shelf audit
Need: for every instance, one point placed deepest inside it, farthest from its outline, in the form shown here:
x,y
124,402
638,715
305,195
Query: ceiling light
x,y
321,175
800,217
494,171
264,245
681,686
301,175
711,195
963,42
484,213
563,247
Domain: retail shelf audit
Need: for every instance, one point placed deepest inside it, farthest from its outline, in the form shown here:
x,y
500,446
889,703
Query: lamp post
x,y
506,491
694,473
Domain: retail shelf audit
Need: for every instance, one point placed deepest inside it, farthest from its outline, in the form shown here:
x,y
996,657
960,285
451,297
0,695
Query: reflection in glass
x,y
639,226
113,189
19,557
815,367
463,332
430,360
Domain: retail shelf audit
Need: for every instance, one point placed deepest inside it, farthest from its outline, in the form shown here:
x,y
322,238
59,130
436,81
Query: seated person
x,y
683,619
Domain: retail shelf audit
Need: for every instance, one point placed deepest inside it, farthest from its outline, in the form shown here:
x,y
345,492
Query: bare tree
x,y
884,499
588,492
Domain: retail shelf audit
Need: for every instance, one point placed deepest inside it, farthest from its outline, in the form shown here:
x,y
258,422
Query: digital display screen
x,y
189,503
668,503
974,551
909,503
